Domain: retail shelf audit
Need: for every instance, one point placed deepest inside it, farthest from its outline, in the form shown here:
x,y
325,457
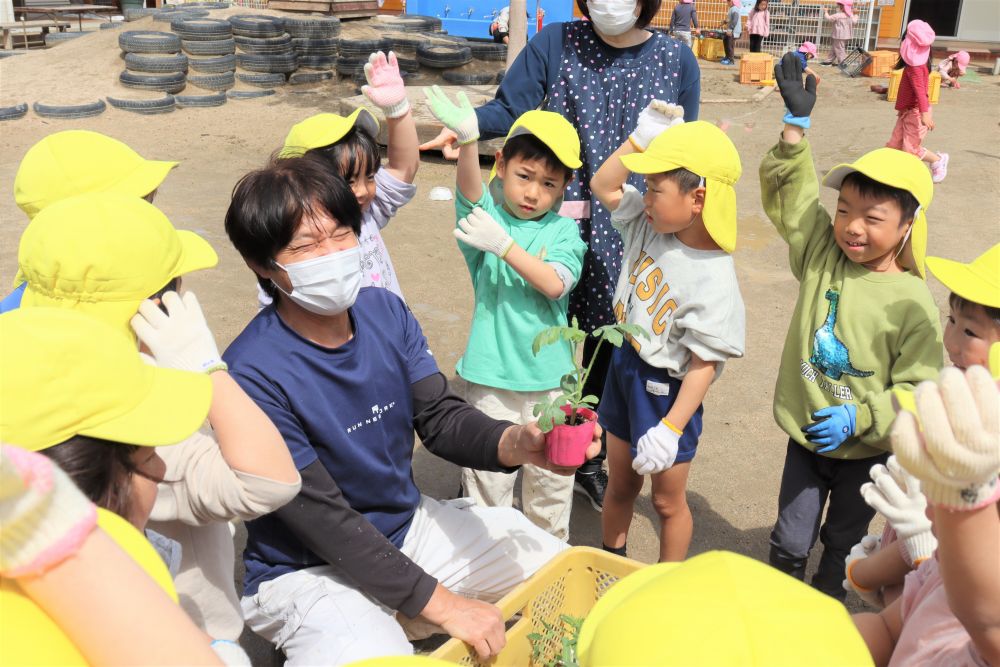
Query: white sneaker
x,y
940,168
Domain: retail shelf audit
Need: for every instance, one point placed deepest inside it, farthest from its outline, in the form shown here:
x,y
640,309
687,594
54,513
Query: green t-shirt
x,y
855,334
509,312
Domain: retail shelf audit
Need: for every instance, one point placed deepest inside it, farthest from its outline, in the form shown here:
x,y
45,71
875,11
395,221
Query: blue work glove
x,y
832,426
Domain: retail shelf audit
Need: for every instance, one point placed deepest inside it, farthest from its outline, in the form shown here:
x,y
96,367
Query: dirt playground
x,y
734,481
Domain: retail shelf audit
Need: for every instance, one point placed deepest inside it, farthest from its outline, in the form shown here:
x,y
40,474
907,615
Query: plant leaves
x,y
568,383
590,400
610,333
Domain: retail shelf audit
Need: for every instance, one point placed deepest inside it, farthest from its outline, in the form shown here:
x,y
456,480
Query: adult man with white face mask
x,y
347,377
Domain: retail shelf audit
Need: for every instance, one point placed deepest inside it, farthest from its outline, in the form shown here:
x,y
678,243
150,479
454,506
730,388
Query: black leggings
x,y
755,43
727,43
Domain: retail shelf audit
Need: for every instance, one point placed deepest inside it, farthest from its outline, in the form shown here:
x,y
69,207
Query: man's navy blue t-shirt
x,y
351,408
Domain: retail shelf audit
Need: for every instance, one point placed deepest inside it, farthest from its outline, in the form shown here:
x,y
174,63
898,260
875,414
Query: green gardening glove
x,y
460,119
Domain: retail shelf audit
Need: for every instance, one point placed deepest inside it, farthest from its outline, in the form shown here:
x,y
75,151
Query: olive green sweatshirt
x,y
855,334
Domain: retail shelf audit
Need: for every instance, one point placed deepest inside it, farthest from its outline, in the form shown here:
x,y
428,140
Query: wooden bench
x,y
10,28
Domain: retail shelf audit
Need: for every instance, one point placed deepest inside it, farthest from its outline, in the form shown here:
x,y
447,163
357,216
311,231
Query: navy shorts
x,y
637,396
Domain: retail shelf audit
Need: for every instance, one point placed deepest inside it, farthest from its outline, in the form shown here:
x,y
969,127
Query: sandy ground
x,y
734,481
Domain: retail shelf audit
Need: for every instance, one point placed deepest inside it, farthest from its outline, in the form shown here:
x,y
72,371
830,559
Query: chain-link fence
x,y
792,22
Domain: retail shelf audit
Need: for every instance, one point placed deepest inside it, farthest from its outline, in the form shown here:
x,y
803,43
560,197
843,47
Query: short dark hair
x,y
685,180
962,304
869,187
356,151
530,147
649,10
102,469
268,205
756,5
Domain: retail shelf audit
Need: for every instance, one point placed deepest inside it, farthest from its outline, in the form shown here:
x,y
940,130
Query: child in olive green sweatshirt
x,y
864,323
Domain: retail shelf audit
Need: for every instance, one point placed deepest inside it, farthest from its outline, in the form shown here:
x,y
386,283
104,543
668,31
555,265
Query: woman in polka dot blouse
x,y
599,74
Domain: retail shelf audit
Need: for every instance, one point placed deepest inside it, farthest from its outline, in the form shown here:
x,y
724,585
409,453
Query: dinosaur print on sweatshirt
x,y
829,354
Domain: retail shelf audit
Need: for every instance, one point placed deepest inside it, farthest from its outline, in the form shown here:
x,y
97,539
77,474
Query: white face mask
x,y
612,17
326,285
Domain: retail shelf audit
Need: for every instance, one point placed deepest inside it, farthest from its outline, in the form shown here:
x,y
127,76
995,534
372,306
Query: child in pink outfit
x,y
758,25
843,26
953,67
913,119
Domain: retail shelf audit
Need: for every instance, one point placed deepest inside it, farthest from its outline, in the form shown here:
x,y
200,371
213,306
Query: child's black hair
x,y
685,179
756,5
530,147
962,304
102,469
269,204
869,187
649,10
356,151
900,63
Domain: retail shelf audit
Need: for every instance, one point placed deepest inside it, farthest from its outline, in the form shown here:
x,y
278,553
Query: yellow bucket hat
x,y
29,636
67,374
977,281
704,149
325,129
103,254
663,615
76,162
898,170
557,133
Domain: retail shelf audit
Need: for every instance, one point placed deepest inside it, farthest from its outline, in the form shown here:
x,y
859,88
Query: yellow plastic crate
x,y
756,67
712,49
881,63
571,583
696,46
933,87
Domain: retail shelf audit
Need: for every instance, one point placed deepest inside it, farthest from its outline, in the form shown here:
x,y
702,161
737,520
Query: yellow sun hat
x,y
557,133
75,162
978,281
903,171
67,374
324,129
104,254
718,608
701,148
29,636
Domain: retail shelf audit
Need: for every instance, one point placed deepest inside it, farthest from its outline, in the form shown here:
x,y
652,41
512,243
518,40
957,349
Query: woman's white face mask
x,y
613,17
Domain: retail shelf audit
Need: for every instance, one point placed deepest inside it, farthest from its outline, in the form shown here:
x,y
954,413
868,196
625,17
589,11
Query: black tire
x,y
55,38
261,80
217,82
468,78
362,48
264,45
215,65
71,111
442,56
248,94
450,39
202,30
171,15
406,42
156,63
136,13
255,25
168,83
215,47
149,41
298,78
320,62
431,23
315,47
488,51
398,24
500,74
350,66
213,100
408,65
314,27
14,112
165,104
284,63
112,25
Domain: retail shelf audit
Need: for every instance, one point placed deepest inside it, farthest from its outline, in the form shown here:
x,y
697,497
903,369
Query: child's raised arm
x,y
386,90
461,119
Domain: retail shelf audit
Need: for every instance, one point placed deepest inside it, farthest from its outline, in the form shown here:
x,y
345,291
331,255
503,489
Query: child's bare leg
x,y
930,157
619,498
880,631
670,503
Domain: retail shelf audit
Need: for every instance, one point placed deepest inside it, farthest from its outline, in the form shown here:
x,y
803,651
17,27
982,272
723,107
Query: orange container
x,y
933,87
881,64
712,49
756,68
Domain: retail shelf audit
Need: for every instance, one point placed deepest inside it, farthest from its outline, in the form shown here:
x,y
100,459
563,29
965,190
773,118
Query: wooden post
x,y
518,28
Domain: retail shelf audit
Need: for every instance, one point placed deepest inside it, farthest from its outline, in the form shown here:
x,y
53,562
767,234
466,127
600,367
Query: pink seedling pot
x,y
566,444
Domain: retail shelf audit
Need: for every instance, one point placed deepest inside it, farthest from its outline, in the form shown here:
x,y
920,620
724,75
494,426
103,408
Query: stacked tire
x,y
264,54
317,46
354,55
153,62
209,46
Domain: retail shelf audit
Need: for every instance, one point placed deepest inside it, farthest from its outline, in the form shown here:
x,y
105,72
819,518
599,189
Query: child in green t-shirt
x,y
524,259
864,324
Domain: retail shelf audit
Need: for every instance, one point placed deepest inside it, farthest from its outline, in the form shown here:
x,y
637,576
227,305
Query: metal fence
x,y
792,22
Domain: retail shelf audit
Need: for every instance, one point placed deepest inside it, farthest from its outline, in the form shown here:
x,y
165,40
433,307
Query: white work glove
x,y
180,339
480,230
654,119
868,545
44,517
385,85
230,653
657,449
895,494
957,455
459,118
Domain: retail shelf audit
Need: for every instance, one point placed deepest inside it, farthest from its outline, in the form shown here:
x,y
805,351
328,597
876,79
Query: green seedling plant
x,y
549,412
563,634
